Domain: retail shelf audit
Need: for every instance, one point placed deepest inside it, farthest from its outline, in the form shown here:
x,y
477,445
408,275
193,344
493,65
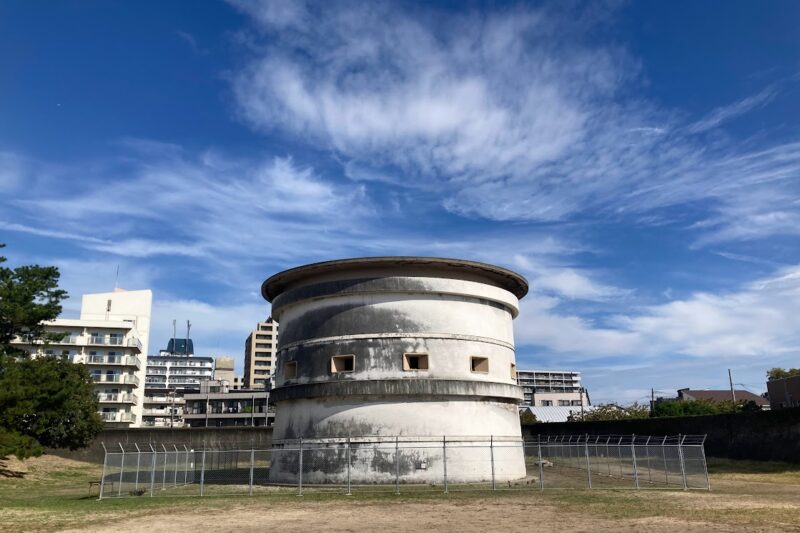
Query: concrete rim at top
x,y
507,279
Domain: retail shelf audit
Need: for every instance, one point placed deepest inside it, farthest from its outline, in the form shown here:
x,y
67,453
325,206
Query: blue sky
x,y
638,162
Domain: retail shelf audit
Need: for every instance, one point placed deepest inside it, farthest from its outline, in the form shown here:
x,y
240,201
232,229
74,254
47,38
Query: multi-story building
x,y
224,370
170,375
110,338
218,405
552,388
259,355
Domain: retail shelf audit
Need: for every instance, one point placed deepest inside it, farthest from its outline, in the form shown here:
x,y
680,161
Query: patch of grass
x,y
754,471
53,494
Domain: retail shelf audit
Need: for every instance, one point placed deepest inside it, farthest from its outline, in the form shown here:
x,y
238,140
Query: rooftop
x,y
507,279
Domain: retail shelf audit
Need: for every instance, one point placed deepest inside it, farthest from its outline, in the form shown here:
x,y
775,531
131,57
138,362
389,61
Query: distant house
x,y
722,395
784,392
553,413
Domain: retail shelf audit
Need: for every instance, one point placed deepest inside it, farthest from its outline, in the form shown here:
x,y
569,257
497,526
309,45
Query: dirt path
x,y
343,516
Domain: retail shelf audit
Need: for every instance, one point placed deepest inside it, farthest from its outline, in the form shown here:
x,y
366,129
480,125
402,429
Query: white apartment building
x,y
110,338
259,355
552,388
171,374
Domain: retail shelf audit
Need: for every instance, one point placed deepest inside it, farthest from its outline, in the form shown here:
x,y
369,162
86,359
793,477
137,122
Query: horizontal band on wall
x,y
370,336
422,388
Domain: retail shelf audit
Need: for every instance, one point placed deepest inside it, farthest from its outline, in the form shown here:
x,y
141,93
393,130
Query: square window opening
x,y
290,370
343,363
415,361
480,364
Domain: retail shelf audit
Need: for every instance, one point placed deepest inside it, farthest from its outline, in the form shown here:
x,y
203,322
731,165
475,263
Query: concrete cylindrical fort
x,y
397,346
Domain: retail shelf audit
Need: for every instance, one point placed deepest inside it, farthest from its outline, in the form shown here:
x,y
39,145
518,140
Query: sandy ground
x,y
507,514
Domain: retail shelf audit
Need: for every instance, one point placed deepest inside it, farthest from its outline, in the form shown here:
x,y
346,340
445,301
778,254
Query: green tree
x,y
526,418
611,412
667,408
780,373
44,401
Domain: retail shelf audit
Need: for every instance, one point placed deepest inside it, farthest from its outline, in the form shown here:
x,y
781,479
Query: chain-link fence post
x,y
680,457
300,470
347,454
649,471
541,465
186,464
203,471
491,454
121,470
138,464
397,465
164,471
103,475
444,462
152,469
705,465
252,464
664,455
633,458
588,463
175,475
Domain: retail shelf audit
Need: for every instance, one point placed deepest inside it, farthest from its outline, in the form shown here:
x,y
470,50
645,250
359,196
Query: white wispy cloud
x,y
513,115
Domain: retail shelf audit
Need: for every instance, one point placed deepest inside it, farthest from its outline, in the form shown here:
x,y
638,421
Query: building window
x,y
290,370
547,403
479,364
564,403
343,363
513,372
415,361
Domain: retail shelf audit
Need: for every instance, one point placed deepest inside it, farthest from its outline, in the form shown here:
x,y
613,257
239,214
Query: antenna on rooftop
x,y
116,279
174,334
188,329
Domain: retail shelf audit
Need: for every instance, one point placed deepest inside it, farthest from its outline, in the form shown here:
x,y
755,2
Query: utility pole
x,y
581,394
652,399
730,379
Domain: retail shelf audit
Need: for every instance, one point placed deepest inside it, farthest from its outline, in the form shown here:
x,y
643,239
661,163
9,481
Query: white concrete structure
x,y
552,388
111,338
407,346
171,374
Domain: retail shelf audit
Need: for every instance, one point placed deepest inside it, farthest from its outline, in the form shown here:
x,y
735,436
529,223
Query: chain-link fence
x,y
404,464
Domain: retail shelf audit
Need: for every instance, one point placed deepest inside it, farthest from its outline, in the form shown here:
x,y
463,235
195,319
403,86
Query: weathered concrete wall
x,y
760,436
260,437
377,311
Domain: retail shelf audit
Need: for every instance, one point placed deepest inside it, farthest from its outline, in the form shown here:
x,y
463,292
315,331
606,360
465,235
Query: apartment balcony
x,y
164,399
109,340
121,397
122,417
117,360
155,372
162,412
123,379
177,422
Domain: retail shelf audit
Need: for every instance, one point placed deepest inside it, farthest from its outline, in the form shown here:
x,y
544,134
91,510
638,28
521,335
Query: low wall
x,y
760,436
259,437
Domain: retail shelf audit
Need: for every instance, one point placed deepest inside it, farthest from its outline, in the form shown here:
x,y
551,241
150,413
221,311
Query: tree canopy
x,y
526,418
701,407
611,412
780,373
45,401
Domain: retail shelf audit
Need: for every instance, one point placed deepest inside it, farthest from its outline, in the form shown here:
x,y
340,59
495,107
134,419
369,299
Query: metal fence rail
x,y
405,464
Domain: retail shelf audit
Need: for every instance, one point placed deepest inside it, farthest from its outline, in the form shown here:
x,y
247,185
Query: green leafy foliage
x,y
701,407
780,373
526,418
44,401
611,412
29,295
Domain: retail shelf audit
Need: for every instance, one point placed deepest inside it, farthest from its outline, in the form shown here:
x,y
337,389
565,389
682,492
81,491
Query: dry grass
x,y
52,495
